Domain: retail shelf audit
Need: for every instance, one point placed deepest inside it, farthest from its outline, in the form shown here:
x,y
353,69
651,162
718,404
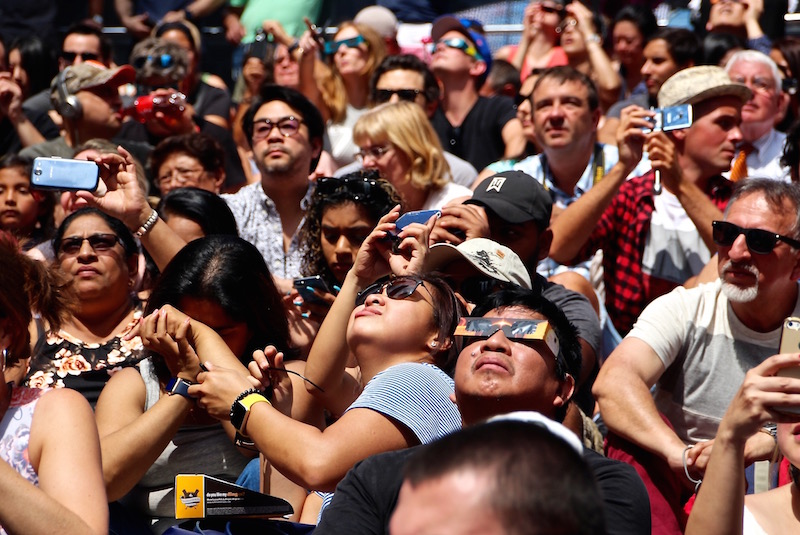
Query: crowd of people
x,y
579,333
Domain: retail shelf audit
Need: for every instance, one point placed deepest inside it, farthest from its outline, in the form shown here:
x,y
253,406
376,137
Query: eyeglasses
x,y
462,45
331,47
385,95
757,83
69,57
373,152
165,61
359,188
398,288
566,24
100,243
471,329
758,240
181,176
287,126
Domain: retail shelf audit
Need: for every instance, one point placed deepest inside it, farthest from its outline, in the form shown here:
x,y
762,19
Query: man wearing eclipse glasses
x,y
518,352
664,390
481,130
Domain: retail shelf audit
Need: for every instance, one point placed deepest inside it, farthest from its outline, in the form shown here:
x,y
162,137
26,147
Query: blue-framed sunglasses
x,y
165,61
332,46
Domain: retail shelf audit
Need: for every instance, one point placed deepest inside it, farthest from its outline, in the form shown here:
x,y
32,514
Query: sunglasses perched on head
x,y
165,61
332,46
69,57
287,126
100,243
472,328
357,187
385,95
759,241
399,288
462,45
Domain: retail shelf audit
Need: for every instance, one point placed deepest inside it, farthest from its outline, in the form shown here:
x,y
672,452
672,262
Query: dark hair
x,y
502,74
683,46
775,192
90,27
183,27
717,44
565,73
47,203
381,198
537,484
640,16
406,62
790,49
203,207
231,272
198,145
447,310
117,227
295,100
38,60
568,360
27,284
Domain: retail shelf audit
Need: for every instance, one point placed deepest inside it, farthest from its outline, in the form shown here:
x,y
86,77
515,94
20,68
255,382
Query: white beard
x,y
738,294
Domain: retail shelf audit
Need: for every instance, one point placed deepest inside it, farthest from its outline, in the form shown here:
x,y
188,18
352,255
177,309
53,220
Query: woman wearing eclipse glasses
x,y
398,331
355,53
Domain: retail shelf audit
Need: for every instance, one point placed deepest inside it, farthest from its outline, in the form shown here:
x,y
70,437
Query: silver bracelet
x,y
148,225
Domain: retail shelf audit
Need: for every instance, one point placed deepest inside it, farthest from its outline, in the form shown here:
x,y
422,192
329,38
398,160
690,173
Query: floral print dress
x,y
61,360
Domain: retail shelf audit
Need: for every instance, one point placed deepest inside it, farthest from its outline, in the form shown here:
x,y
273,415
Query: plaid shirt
x,y
622,233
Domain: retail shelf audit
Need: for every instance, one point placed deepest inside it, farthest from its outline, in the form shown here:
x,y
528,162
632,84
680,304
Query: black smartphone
x,y
305,286
64,174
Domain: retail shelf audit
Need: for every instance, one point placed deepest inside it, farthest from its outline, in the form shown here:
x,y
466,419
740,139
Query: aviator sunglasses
x,y
758,240
399,288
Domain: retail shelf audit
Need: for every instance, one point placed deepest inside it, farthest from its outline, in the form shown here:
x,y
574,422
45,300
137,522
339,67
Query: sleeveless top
x,y
15,430
61,360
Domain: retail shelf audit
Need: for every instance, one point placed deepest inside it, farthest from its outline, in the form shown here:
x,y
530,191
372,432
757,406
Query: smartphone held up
x,y
64,174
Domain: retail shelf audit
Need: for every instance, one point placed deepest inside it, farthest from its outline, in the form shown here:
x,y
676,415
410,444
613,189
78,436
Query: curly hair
x,y
362,189
405,125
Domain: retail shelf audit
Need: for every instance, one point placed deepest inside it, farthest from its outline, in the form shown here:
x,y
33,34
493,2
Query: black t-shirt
x,y
365,498
479,139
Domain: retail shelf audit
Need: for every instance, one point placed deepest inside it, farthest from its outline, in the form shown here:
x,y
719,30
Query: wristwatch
x,y
179,386
240,410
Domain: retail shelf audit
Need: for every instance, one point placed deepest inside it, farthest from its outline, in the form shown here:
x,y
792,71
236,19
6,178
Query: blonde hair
x,y
405,125
376,51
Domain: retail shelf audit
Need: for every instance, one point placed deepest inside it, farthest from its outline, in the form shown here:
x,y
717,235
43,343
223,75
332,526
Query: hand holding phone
x,y
305,286
790,343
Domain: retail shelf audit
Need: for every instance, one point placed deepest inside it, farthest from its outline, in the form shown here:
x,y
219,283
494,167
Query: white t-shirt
x,y
706,351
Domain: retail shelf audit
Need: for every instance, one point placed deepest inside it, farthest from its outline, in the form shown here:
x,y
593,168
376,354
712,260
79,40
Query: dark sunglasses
x,y
332,46
358,187
165,61
519,99
385,95
759,241
69,57
552,9
472,328
100,243
398,288
287,126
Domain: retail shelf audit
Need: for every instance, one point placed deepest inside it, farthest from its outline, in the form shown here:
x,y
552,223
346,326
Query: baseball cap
x,y
696,84
515,197
90,74
449,23
487,256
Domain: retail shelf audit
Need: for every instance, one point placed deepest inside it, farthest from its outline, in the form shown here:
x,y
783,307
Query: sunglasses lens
x,y
102,242
724,233
361,298
760,241
71,245
402,288
383,95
